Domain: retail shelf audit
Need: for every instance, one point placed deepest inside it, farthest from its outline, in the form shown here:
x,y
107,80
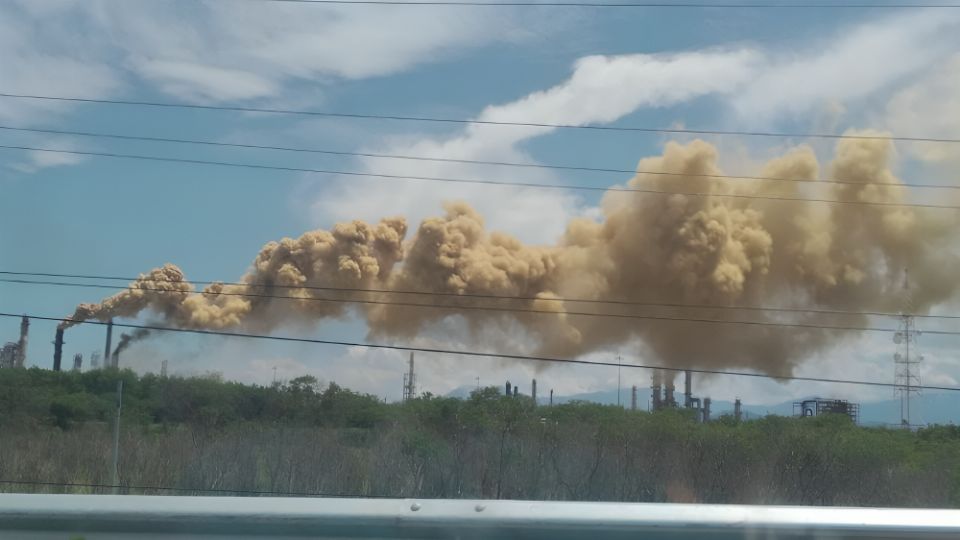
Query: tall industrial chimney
x,y
57,349
737,410
509,389
77,362
516,391
655,395
706,409
687,388
106,350
633,398
115,360
551,397
163,368
533,391
668,398
22,346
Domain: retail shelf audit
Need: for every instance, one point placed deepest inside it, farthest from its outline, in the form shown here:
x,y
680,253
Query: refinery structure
x,y
663,394
14,353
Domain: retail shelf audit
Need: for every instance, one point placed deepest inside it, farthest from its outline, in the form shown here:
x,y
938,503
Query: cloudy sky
x,y
788,70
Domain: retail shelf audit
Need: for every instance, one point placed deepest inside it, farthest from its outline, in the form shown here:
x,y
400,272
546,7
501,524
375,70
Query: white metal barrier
x,y
92,517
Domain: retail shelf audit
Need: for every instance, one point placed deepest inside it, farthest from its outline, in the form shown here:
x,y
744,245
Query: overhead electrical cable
x,y
493,296
126,137
476,354
468,295
779,325
332,114
474,181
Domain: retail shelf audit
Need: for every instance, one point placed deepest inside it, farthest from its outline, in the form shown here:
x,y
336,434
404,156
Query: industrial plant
x,y
14,353
663,394
111,358
820,406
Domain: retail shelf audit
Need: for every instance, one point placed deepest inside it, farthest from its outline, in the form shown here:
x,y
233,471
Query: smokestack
x,y
163,368
22,346
57,349
633,398
106,350
516,391
533,391
508,389
551,397
668,399
706,409
115,360
737,410
687,388
77,362
655,395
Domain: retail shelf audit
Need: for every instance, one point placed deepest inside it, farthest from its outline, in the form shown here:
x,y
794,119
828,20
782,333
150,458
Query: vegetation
x,y
198,434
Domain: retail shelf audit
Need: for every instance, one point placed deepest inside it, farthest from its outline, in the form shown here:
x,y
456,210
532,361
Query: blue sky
x,y
784,70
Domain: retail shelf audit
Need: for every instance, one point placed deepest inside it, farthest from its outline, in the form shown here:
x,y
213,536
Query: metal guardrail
x,y
91,517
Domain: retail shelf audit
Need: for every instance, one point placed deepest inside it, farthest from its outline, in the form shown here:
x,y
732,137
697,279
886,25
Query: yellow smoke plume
x,y
647,249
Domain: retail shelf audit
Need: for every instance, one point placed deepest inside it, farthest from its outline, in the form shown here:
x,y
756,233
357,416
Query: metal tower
x,y
409,382
907,373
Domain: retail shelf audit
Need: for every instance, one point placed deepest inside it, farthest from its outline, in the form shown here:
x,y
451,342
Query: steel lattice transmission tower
x,y
907,358
409,382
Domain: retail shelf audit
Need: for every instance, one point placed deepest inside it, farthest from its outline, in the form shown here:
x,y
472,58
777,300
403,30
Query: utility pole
x,y
115,479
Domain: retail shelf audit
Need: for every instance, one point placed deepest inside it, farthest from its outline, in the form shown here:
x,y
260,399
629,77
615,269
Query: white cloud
x,y
217,51
601,89
605,88
930,107
864,60
35,59
35,160
197,82
214,51
760,86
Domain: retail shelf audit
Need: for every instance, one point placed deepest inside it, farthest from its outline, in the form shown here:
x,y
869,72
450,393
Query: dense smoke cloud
x,y
650,249
127,339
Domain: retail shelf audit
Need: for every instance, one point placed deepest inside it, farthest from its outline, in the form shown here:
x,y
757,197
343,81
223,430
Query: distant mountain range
x,y
929,408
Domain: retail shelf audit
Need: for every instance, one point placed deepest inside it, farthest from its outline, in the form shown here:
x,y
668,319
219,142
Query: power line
x,y
201,142
473,354
779,325
472,181
197,490
331,114
629,303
